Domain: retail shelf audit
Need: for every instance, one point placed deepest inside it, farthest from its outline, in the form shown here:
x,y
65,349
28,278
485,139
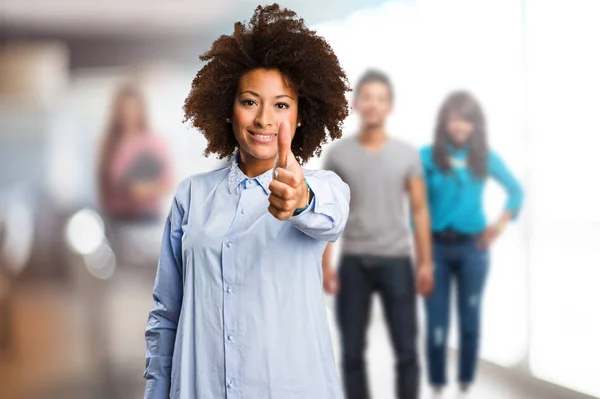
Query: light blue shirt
x,y
239,310
456,197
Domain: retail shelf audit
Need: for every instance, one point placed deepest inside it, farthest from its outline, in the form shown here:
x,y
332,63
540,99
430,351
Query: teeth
x,y
264,136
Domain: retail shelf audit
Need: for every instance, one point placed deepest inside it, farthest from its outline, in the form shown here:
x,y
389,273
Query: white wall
x,y
563,90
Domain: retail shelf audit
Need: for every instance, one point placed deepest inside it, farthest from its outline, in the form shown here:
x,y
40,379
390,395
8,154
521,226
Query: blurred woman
x,y
457,168
135,167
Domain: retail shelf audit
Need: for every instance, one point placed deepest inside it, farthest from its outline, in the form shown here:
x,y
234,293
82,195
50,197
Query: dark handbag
x,y
147,166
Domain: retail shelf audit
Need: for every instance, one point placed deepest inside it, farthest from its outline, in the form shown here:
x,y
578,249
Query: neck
x,y
130,133
459,146
253,167
372,135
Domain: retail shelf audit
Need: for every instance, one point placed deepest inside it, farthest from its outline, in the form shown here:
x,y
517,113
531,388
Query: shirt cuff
x,y
318,213
157,389
515,210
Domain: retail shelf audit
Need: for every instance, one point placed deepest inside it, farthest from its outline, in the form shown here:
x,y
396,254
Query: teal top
x,y
456,197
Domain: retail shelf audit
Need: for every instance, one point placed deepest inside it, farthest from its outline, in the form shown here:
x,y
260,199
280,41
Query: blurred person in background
x,y
135,171
239,310
384,174
457,168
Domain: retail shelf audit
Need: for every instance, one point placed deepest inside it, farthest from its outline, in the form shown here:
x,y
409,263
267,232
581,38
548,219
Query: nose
x,y
264,118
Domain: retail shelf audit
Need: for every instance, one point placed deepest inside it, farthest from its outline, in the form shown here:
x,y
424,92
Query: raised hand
x,y
288,190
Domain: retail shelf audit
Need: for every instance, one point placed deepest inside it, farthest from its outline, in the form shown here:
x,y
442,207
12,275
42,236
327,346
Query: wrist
x,y
500,226
425,265
306,199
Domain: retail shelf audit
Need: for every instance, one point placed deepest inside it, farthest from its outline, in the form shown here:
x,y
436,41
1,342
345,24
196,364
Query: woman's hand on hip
x,y
488,237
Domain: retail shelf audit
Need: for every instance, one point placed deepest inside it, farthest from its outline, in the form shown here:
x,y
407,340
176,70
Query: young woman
x,y
135,167
457,167
239,310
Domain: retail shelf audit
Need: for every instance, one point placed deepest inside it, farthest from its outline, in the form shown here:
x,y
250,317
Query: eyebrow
x,y
257,95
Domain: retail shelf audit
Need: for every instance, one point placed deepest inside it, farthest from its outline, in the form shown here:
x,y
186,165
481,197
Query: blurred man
x,y
383,174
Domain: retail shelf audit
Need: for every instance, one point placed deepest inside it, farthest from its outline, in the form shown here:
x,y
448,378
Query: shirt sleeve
x,y
161,328
500,172
327,214
415,167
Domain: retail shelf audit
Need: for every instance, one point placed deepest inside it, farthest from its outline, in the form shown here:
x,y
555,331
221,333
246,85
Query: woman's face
x,y
459,129
261,103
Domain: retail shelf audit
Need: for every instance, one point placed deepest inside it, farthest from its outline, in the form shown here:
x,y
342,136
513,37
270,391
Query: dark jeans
x,y
467,265
393,278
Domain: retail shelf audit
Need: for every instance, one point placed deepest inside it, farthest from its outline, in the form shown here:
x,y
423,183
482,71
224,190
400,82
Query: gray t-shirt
x,y
379,222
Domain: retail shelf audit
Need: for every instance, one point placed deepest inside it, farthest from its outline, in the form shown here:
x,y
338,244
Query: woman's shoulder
x,y
199,181
208,178
426,153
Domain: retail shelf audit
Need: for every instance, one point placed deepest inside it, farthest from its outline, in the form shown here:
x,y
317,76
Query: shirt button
x,y
229,290
229,385
228,245
230,338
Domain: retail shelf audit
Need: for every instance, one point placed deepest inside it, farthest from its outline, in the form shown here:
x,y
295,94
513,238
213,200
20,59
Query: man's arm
x,y
328,256
420,212
331,283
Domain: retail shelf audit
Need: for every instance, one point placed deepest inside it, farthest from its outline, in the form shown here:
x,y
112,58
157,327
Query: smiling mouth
x,y
263,136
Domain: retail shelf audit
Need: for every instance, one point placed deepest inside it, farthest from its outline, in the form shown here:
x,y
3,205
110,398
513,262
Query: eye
x,y
249,102
282,105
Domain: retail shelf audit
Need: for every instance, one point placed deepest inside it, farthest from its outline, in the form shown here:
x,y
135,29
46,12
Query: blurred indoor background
x,y
74,295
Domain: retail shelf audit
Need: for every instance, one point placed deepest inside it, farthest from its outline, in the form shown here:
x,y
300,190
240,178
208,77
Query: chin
x,y
460,140
262,152
372,124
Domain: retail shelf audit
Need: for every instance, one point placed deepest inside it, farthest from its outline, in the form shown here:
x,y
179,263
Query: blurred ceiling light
x,y
101,263
33,72
85,232
19,227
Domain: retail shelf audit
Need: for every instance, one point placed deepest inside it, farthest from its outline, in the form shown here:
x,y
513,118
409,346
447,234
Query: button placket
x,y
232,286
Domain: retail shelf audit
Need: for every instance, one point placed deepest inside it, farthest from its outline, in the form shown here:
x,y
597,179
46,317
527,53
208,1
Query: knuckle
x,y
288,205
291,192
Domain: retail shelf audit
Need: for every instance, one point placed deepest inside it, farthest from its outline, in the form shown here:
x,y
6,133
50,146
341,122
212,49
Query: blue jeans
x,y
467,266
393,278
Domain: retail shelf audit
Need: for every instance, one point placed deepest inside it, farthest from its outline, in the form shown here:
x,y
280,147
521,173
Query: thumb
x,y
284,144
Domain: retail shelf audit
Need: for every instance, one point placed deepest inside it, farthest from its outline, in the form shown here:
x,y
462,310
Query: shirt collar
x,y
236,176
